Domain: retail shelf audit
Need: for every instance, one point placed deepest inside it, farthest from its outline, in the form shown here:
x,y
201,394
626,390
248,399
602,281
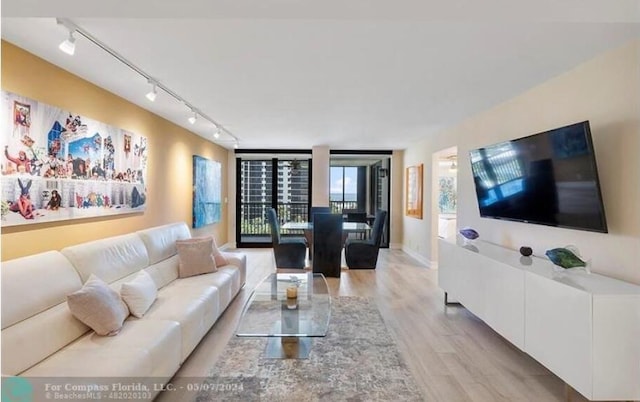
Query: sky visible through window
x,y
344,178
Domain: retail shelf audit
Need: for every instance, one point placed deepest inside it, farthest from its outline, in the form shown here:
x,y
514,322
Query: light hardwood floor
x,y
452,355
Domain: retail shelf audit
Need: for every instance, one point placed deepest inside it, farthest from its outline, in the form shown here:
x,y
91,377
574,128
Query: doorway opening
x,y
445,190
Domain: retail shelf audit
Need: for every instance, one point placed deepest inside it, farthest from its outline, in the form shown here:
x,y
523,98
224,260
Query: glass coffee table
x,y
289,323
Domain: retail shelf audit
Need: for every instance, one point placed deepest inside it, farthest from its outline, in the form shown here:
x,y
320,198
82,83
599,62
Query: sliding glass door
x,y
264,183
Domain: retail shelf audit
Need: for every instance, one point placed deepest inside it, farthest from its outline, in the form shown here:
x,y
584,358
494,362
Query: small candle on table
x,y
292,292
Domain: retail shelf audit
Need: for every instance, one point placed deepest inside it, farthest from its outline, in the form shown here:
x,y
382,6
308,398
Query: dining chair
x,y
364,253
308,234
327,244
358,217
290,252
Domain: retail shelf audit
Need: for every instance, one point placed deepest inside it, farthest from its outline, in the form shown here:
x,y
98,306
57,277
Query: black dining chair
x,y
289,253
308,234
364,253
327,244
356,216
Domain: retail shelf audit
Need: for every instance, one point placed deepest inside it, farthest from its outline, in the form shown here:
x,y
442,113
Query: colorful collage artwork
x,y
57,165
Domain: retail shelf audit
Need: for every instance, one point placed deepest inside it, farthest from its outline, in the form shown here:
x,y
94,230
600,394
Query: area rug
x,y
357,361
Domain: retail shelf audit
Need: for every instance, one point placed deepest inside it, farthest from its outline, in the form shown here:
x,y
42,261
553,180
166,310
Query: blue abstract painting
x,y
207,191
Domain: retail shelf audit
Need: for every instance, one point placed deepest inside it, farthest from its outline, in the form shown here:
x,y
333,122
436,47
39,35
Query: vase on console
x,y
568,258
469,234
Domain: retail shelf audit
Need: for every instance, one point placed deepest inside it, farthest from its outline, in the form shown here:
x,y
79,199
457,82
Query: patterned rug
x,y
357,361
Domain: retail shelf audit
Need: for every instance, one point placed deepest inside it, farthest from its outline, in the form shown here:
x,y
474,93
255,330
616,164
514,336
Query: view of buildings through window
x,y
289,194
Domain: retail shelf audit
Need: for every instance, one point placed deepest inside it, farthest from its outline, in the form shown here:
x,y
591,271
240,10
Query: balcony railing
x,y
254,220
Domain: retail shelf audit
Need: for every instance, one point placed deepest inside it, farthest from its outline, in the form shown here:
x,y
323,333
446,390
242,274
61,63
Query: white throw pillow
x,y
139,294
98,306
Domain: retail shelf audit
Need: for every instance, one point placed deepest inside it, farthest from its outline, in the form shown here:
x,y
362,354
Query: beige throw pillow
x,y
220,259
139,294
196,256
98,306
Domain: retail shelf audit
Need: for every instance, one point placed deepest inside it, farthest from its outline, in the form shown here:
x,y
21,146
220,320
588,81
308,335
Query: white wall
x,y
605,91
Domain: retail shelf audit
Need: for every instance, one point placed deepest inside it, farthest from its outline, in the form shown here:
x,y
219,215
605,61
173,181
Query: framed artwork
x,y
57,165
413,191
207,191
447,197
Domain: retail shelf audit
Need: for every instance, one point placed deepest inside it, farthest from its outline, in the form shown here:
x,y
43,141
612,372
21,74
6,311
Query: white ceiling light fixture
x,y
69,48
216,134
68,45
236,145
193,118
151,95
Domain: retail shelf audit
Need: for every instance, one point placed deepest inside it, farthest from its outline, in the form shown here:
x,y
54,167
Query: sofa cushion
x,y
109,259
196,256
23,344
144,348
139,293
194,308
240,261
34,291
34,284
160,241
222,282
165,271
98,306
218,257
98,362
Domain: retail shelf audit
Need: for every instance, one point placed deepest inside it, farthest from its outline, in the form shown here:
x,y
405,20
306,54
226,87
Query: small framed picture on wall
x,y
413,191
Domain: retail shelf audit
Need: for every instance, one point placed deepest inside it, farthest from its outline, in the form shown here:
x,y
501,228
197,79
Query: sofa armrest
x,y
240,261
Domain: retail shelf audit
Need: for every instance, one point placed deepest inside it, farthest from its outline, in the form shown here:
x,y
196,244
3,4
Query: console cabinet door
x,y
616,347
460,275
558,330
504,300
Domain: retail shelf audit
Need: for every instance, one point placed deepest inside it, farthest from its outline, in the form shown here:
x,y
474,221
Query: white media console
x,y
583,327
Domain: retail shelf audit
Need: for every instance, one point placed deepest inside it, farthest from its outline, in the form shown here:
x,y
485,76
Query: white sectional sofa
x,y
41,338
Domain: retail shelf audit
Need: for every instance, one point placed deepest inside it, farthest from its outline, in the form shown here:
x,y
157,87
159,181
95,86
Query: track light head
x,y
236,146
193,118
153,93
216,134
69,45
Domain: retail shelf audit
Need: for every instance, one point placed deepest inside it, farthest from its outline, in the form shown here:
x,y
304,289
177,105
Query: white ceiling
x,y
365,74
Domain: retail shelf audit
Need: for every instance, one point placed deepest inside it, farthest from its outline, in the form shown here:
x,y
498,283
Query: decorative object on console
x,y
58,165
565,258
469,233
526,251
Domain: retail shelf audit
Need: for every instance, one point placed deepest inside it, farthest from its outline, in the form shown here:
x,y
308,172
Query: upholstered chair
x,y
290,252
364,253
308,234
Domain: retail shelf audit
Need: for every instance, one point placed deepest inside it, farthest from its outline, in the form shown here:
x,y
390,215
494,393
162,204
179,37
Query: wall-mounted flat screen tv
x,y
549,178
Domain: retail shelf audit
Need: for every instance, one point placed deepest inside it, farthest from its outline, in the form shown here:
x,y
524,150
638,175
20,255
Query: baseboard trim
x,y
418,257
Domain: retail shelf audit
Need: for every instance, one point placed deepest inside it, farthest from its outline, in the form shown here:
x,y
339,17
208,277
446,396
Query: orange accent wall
x,y
169,176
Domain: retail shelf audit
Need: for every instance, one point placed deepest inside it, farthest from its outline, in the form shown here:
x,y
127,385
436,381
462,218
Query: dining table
x,y
346,226
328,244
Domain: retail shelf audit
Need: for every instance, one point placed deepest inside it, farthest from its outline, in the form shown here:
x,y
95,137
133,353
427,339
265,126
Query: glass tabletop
x,y
346,226
269,313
